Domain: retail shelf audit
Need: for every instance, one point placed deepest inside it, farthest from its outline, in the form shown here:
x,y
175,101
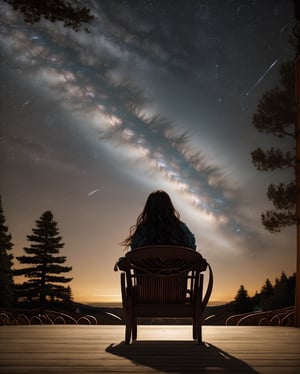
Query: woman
x,y
159,224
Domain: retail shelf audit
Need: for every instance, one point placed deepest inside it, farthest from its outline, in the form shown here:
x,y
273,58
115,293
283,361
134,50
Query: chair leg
x,y
194,328
134,328
199,329
197,325
128,330
129,320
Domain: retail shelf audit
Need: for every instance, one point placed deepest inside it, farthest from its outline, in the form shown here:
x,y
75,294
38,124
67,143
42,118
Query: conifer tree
x,y
68,296
292,286
242,302
266,295
45,269
6,263
278,114
275,115
282,296
267,289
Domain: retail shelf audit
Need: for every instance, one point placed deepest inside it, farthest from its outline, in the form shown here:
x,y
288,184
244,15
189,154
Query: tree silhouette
x,y
6,263
68,295
242,301
44,279
266,295
282,296
276,115
53,10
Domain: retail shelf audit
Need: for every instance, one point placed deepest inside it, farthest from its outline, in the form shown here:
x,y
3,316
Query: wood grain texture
x,y
100,349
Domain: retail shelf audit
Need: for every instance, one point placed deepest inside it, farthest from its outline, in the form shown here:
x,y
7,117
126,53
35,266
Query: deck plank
x,y
98,349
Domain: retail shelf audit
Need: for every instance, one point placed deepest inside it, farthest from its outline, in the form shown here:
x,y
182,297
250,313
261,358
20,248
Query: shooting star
x,y
263,76
26,103
93,192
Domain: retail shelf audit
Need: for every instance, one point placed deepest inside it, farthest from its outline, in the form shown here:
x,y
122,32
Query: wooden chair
x,y
164,281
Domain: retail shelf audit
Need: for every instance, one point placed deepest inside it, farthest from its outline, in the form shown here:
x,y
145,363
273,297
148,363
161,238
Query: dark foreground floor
x,y
159,349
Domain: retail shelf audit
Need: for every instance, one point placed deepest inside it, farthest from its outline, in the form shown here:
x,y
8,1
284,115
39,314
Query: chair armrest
x,y
123,288
209,288
120,264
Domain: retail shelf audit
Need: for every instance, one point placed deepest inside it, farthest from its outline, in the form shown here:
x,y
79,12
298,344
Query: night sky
x,y
158,95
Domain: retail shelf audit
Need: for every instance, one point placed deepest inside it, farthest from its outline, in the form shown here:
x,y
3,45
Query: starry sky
x,y
157,95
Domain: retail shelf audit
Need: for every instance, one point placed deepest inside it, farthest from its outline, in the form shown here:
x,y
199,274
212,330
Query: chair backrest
x,y
163,274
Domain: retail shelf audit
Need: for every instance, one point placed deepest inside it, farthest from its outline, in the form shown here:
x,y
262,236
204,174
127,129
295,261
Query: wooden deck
x,y
100,349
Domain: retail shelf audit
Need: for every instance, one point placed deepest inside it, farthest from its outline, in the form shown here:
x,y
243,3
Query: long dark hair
x,y
159,220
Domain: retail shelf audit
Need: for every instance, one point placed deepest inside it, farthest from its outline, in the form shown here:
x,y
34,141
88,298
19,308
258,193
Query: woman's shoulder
x,y
189,236
184,226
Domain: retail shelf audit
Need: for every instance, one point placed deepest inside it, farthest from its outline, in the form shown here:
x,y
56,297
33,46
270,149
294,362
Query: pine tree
x,y
6,264
267,289
266,295
55,10
255,300
282,297
44,279
275,115
242,301
292,288
68,295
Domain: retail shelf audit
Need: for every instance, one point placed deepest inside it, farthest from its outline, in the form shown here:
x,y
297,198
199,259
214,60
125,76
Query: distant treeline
x,y
279,295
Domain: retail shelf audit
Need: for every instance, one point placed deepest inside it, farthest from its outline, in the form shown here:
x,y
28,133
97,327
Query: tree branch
x,y
272,159
283,196
53,10
275,221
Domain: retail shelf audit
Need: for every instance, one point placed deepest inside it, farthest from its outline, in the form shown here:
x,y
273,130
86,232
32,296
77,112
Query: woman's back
x,y
159,223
